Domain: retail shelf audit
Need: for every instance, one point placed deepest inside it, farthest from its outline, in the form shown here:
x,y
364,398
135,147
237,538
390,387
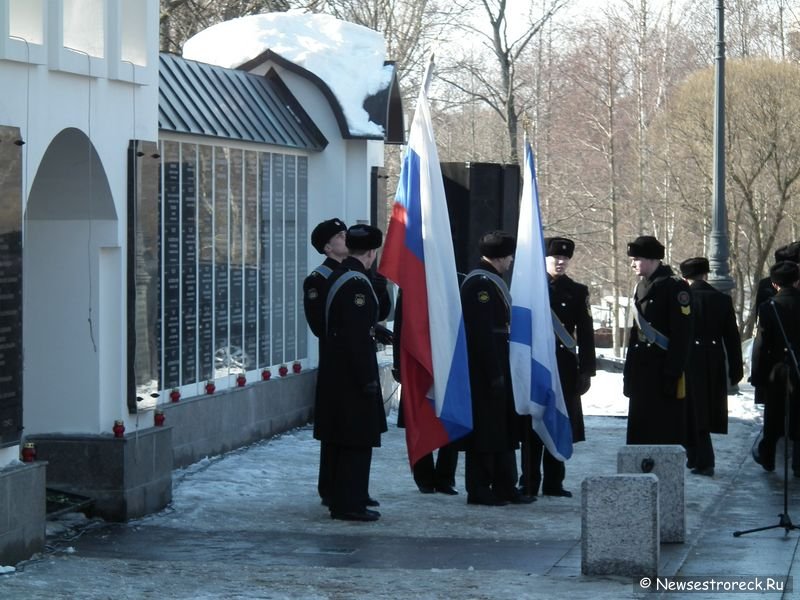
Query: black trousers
x,y
440,474
700,453
535,459
491,475
325,478
350,467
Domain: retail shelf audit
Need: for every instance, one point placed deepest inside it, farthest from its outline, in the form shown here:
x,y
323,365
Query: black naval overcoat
x,y
715,357
771,363
487,315
315,290
569,300
764,291
350,404
651,374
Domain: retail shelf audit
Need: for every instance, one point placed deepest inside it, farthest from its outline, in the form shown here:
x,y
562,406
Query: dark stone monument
x,y
480,197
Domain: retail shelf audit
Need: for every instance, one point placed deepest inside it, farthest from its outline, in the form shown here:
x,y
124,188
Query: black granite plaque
x,y
144,270
171,272
221,257
302,261
290,260
236,318
250,314
277,259
205,320
251,249
264,270
189,267
10,292
205,274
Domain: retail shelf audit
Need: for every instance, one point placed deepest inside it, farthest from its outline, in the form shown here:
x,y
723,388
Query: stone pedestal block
x,y
668,464
126,477
22,511
619,525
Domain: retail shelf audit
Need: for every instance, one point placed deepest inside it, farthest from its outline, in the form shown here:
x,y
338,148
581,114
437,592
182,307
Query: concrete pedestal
x,y
668,464
126,477
22,511
619,526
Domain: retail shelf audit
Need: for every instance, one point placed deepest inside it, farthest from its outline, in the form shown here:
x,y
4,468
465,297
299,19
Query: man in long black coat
x,y
575,353
351,415
765,289
491,462
657,350
328,238
773,369
715,360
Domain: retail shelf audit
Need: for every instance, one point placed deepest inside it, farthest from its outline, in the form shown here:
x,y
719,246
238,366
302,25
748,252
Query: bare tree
x,y
762,159
496,87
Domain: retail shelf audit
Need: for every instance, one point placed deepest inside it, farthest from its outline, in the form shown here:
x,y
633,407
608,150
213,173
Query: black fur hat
x,y
363,237
646,246
497,244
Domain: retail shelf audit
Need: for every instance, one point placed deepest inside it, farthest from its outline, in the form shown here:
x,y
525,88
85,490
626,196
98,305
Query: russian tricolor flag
x,y
534,370
418,257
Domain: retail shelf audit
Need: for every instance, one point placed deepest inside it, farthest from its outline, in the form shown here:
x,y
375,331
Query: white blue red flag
x,y
534,370
418,257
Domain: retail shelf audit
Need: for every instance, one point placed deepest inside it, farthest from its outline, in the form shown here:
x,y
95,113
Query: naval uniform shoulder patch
x,y
313,294
684,299
359,300
483,296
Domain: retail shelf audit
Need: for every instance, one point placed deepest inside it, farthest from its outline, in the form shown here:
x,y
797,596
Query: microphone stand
x,y
784,520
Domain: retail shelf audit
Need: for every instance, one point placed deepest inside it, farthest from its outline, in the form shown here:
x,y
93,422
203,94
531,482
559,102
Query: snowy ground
x,y
268,492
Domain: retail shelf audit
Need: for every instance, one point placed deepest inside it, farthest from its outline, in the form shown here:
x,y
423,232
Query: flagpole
x,y
526,444
428,75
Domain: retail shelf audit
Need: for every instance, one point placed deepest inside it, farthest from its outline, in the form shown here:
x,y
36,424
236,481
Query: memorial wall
x,y
219,253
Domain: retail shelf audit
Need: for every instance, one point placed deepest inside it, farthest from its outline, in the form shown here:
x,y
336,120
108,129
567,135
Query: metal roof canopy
x,y
202,99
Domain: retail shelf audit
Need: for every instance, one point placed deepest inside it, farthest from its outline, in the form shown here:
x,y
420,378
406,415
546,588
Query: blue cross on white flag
x,y
534,370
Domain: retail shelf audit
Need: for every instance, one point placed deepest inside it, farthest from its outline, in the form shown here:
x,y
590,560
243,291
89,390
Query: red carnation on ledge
x,y
210,387
297,367
283,370
266,374
241,380
158,418
175,395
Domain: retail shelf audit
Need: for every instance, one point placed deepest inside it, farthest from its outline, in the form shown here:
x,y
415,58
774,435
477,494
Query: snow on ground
x,y
268,490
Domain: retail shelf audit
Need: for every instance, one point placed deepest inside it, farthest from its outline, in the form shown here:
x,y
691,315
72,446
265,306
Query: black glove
x,y
384,335
583,384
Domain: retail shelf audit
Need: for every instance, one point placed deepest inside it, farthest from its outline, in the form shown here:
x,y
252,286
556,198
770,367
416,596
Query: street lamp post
x,y
720,276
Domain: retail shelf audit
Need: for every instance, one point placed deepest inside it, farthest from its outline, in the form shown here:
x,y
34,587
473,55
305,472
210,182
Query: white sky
x,y
348,58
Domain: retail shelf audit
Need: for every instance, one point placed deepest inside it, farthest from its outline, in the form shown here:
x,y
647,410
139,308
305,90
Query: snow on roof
x,y
349,58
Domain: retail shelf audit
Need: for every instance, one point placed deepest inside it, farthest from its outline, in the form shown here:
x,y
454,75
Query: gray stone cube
x,y
619,525
668,464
